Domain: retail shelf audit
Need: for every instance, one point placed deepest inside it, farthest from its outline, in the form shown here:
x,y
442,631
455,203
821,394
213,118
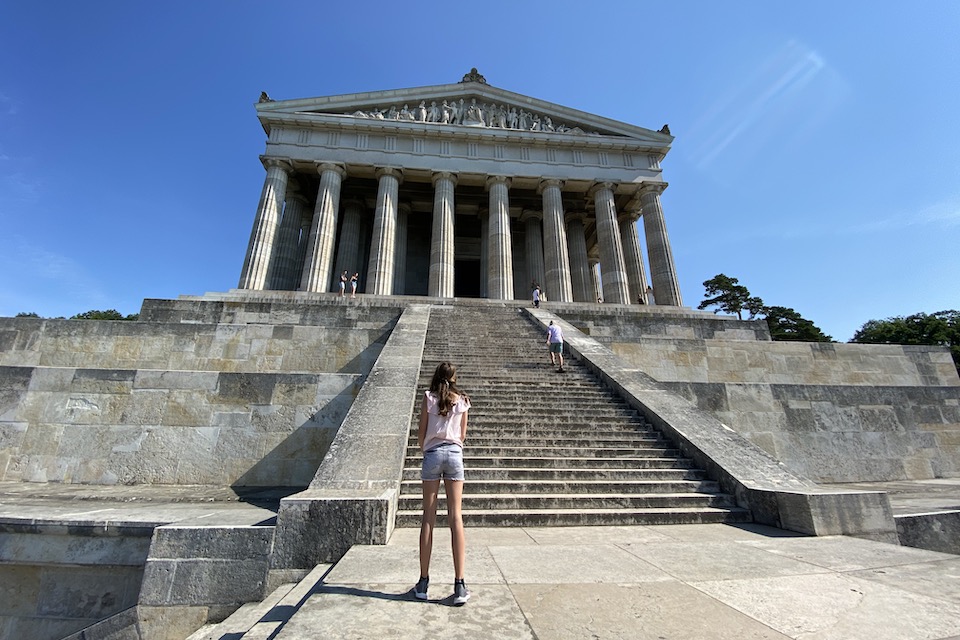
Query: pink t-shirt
x,y
448,428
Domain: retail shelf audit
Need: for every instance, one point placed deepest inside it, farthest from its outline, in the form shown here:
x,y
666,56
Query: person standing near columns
x,y
533,245
500,261
383,245
256,264
613,272
440,283
557,272
323,230
663,273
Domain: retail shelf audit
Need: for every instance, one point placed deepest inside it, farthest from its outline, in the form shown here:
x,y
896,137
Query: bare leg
x,y
454,492
430,489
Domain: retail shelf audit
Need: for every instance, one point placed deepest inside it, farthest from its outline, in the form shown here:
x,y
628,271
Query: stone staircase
x,y
547,448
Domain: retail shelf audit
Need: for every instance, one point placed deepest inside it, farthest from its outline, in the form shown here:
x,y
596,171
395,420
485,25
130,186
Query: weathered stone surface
x,y
938,531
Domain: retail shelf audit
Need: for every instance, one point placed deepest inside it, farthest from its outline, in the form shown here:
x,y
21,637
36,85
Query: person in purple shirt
x,y
555,342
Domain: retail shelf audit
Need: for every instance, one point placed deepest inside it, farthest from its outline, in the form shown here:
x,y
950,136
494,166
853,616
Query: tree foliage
x,y
27,314
786,324
729,296
109,314
941,328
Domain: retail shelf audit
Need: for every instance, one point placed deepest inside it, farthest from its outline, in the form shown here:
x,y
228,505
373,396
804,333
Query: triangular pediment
x,y
464,104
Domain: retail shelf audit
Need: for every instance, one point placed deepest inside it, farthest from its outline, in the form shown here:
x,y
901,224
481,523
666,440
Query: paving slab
x,y
684,581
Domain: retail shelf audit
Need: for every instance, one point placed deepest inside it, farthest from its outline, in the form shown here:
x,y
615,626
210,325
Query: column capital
x,y
597,186
531,214
404,207
283,163
549,182
630,215
655,188
575,216
339,169
443,175
390,171
495,179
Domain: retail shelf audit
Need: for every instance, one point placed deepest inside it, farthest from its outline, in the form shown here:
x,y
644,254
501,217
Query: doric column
x,y
440,284
580,279
632,257
500,252
663,273
306,220
348,245
383,244
556,256
400,252
595,283
323,230
283,274
256,264
612,269
533,247
484,215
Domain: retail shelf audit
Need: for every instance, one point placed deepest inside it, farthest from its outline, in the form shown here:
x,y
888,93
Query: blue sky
x,y
817,151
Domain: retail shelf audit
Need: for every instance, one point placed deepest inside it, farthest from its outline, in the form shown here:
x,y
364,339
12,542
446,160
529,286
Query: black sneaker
x,y
460,593
420,591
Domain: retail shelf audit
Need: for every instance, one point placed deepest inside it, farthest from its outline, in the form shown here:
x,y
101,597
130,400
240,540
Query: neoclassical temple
x,y
460,190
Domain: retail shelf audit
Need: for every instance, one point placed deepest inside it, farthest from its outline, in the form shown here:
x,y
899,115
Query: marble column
x,y
557,274
533,247
306,219
348,245
256,264
595,283
663,273
632,257
612,269
580,279
283,274
440,284
400,262
323,230
383,245
484,251
500,251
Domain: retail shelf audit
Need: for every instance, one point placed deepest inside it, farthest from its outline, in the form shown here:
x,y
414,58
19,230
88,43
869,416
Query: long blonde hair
x,y
443,385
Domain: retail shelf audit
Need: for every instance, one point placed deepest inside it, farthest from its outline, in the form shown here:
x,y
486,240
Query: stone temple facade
x,y
459,190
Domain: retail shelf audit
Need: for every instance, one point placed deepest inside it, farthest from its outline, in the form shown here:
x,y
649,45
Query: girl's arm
x,y
422,430
463,428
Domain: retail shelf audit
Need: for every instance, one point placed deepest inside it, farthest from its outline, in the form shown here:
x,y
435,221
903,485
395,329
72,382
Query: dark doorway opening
x,y
466,278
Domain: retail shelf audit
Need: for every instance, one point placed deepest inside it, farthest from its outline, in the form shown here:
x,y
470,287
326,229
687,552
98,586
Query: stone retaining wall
x,y
108,426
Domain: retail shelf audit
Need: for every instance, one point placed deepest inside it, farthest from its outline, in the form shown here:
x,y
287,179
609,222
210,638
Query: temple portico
x,y
484,196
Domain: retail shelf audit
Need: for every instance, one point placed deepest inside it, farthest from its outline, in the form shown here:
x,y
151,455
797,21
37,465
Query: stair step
x,y
583,517
542,473
670,485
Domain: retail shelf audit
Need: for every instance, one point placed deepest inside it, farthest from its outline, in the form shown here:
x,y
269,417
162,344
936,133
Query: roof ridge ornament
x,y
473,76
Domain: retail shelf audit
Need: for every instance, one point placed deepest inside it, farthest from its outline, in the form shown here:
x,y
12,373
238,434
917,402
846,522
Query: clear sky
x,y
817,151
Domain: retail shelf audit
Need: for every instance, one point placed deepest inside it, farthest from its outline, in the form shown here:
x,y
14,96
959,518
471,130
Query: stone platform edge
x,y
774,495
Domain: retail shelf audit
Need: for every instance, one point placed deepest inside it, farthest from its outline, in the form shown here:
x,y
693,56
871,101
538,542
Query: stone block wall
x,y
107,426
55,580
832,412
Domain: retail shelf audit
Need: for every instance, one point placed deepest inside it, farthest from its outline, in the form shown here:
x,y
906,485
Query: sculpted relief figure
x,y
475,115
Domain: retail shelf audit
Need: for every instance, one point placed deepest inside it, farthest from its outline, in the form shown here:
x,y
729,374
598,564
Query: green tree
x,y
28,314
109,314
729,296
786,324
941,328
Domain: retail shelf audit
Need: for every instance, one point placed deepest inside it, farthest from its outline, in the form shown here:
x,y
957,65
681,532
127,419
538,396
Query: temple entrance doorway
x,y
466,278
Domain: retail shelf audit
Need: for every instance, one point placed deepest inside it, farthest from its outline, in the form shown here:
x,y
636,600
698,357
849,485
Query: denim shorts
x,y
443,461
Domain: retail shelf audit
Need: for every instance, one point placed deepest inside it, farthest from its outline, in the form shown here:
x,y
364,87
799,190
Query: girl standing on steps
x,y
441,433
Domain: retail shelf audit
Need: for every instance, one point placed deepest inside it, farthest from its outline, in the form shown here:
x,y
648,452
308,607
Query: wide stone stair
x,y
546,448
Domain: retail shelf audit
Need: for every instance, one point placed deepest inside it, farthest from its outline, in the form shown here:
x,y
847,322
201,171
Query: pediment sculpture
x,y
471,114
